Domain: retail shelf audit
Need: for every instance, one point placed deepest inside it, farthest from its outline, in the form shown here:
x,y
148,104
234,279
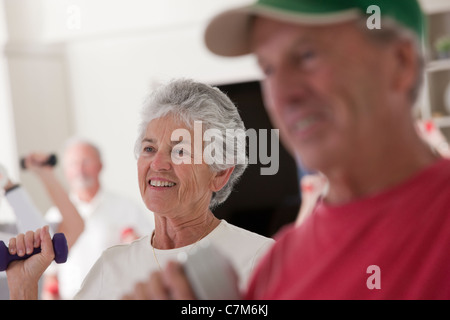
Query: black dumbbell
x,y
51,161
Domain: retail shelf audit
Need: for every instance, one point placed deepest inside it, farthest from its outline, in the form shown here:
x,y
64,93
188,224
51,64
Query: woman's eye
x,y
148,149
181,152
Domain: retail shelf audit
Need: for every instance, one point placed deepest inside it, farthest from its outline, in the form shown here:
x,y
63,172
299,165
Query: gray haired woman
x,y
182,178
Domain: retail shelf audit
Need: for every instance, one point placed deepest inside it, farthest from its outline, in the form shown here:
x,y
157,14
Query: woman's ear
x,y
220,179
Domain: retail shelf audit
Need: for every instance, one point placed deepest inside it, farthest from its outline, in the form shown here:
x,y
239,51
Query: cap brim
x,y
227,34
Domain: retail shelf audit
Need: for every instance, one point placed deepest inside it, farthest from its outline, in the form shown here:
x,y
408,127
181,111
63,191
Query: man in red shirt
x,y
340,82
340,85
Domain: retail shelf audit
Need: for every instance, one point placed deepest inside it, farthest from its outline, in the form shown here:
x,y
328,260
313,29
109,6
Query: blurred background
x,y
83,67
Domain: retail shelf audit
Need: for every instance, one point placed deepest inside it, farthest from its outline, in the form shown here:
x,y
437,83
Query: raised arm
x,y
72,224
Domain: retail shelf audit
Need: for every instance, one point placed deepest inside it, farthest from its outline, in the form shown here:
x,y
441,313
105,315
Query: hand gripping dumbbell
x,y
51,162
59,246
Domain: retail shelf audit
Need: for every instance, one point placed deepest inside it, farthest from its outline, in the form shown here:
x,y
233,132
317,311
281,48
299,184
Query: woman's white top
x,y
120,267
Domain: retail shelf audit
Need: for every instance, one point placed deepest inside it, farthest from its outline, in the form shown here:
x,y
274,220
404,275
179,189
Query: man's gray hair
x,y
191,101
75,140
392,31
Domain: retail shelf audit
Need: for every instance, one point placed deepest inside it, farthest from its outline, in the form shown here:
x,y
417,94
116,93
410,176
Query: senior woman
x,y
179,185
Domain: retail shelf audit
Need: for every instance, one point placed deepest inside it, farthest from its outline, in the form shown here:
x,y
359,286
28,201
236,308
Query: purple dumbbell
x,y
59,246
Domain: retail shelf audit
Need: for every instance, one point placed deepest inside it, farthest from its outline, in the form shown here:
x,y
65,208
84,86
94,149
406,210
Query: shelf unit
x,y
437,70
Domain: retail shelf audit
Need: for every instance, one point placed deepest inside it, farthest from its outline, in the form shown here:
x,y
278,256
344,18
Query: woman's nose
x,y
161,162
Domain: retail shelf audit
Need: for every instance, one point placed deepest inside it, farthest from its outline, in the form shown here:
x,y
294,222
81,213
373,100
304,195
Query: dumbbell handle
x,y
59,246
51,161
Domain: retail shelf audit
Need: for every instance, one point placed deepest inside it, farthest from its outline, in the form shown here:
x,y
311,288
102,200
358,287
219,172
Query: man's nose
x,y
287,87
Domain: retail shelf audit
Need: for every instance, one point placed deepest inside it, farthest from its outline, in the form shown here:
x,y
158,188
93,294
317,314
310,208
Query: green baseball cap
x,y
227,34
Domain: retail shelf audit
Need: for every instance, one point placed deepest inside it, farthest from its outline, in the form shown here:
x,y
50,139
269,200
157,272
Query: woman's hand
x,y
170,284
23,275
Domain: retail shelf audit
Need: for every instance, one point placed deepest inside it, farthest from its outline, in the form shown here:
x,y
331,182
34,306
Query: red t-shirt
x,y
394,245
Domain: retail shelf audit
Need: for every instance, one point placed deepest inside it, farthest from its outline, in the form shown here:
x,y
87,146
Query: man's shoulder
x,y
436,181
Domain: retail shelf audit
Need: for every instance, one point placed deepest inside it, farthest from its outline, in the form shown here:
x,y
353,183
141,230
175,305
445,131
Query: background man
x,y
110,219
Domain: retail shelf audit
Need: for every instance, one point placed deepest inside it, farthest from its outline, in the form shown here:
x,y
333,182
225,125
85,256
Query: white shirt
x,y
28,217
121,267
105,217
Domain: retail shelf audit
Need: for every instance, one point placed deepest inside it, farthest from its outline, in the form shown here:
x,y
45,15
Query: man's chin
x,y
82,185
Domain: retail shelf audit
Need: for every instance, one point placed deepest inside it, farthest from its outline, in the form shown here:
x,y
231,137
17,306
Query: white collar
x,y
87,208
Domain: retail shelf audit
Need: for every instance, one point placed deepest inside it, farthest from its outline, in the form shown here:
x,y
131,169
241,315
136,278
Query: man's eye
x,y
305,59
267,70
309,54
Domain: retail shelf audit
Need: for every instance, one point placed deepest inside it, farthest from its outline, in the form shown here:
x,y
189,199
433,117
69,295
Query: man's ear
x,y
220,179
407,66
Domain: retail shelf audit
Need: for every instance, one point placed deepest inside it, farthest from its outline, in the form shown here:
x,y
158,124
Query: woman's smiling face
x,y
169,187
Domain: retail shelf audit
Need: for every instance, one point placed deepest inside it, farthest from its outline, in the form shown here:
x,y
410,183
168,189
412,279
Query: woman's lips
x,y
161,183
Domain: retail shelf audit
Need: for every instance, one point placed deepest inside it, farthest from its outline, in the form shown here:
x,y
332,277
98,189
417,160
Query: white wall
x,y
8,152
83,67
433,6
